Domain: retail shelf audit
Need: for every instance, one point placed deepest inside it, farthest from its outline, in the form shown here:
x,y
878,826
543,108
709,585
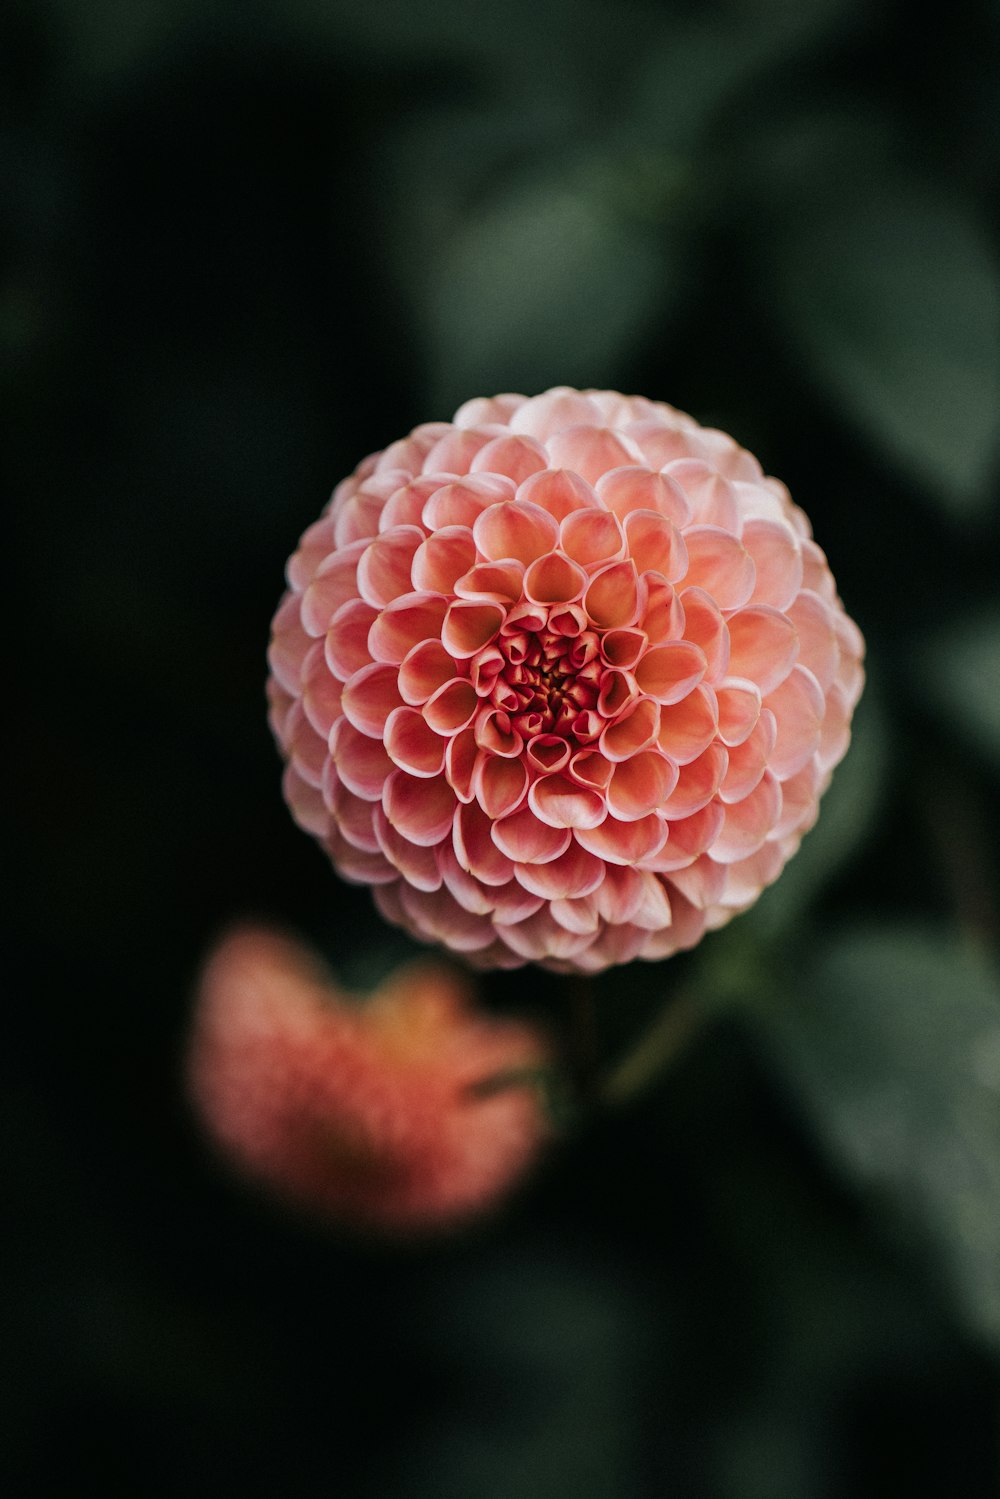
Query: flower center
x,y
548,683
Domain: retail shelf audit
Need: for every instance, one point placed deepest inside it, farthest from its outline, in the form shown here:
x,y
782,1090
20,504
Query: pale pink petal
x,y
669,672
748,877
405,623
836,732
516,457
469,626
460,503
720,564
412,744
641,785
818,648
553,579
438,915
370,696
591,451
798,706
547,414
688,837
749,760
777,557
799,801
513,903
483,410
305,803
358,867
346,642
702,882
739,708
454,451
557,801
591,537
747,824
816,574
442,558
316,544
417,863
335,582
624,490
659,442
354,818
470,893
321,695
289,644
358,518
558,491
540,938
711,497
577,915
763,646
423,811
688,727
405,506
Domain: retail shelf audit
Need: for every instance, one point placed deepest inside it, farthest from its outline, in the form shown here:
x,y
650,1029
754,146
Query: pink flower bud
x,y
563,679
405,1111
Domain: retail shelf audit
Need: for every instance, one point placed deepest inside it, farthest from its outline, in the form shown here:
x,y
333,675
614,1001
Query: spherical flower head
x,y
564,679
407,1111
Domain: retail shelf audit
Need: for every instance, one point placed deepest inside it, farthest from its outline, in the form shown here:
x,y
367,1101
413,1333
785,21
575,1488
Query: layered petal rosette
x,y
563,679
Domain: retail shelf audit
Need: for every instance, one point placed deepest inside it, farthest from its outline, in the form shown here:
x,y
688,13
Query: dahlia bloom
x,y
563,679
378,1112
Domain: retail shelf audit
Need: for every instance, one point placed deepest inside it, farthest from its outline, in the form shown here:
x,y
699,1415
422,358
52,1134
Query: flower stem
x,y
660,1045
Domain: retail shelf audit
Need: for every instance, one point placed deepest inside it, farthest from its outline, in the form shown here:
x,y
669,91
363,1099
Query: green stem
x,y
658,1047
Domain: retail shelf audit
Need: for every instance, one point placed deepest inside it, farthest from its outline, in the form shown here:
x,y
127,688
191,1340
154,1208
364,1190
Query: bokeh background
x,y
243,245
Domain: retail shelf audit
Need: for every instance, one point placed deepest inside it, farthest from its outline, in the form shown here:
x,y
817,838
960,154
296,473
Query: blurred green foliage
x,y
243,244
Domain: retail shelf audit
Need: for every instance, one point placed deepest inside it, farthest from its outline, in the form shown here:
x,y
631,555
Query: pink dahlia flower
x,y
564,679
378,1112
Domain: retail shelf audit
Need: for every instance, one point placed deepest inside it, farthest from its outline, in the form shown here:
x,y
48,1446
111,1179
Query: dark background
x,y
242,246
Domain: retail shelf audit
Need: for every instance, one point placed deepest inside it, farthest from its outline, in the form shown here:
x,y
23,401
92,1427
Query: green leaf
x,y
549,282
960,671
893,1047
892,292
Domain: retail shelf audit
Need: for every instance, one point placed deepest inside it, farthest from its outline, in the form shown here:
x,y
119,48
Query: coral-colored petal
x,y
500,785
405,623
460,503
416,862
384,567
477,848
361,762
688,727
322,697
519,530
553,579
493,582
516,457
469,626
560,803
346,641
640,785
612,600
697,783
558,491
460,759
423,811
591,537
573,874
289,644
622,648
669,672
370,696
636,728
656,545
442,558
526,840
624,490
412,744
334,583
425,669
749,760
739,708
818,648
543,416
704,626
711,497
451,708
625,842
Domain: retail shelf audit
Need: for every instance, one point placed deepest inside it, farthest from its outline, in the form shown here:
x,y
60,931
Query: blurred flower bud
x,y
406,1110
